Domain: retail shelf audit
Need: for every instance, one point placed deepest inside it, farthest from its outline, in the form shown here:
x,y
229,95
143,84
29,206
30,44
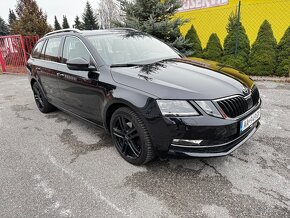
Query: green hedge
x,y
283,55
213,50
264,58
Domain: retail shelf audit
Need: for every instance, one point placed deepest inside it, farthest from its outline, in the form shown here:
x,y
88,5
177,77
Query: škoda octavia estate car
x,y
151,99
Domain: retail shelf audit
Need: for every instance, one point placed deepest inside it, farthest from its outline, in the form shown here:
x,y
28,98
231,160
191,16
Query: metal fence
x,y
14,52
252,14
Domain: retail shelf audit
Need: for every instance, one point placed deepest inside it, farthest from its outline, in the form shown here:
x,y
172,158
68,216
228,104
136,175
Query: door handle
x,y
61,75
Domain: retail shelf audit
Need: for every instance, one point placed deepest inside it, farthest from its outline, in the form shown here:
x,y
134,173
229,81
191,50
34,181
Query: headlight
x,y
176,108
209,108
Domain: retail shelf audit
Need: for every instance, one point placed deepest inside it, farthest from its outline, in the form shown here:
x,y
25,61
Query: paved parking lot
x,y
57,166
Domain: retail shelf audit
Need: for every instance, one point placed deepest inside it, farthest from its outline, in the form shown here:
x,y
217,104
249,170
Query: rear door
x,y
34,63
48,71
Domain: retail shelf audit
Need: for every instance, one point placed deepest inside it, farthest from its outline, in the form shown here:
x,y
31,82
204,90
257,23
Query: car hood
x,y
184,79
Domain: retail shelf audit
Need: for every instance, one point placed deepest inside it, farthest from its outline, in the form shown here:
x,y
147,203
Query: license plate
x,y
244,124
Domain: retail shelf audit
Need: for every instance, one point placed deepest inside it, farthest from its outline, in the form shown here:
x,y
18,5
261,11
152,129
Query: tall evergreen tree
x,y
263,56
156,18
4,30
78,24
193,38
213,50
65,24
236,32
56,24
89,18
30,19
11,17
283,68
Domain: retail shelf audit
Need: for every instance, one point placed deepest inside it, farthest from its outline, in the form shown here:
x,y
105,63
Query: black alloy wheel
x,y
43,105
131,137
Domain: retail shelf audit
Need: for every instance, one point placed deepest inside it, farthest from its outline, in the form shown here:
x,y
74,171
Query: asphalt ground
x,y
55,165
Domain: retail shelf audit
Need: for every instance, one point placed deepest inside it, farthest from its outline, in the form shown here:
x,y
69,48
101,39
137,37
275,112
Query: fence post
x,y
237,28
2,62
23,47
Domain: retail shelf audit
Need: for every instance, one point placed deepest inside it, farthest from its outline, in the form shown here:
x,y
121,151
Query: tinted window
x,y
37,50
74,48
51,51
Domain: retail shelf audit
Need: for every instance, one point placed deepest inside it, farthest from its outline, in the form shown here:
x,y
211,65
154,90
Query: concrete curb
x,y
272,79
14,74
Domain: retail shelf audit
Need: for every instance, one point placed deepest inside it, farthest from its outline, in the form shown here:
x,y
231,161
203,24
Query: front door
x,y
81,92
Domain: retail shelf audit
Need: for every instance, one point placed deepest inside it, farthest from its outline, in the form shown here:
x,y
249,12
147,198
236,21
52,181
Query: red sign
x,y
200,4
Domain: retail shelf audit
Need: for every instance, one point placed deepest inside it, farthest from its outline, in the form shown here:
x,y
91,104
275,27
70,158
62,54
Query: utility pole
x,y
237,28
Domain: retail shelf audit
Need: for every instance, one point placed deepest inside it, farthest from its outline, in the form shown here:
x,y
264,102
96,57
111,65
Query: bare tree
x,y
108,12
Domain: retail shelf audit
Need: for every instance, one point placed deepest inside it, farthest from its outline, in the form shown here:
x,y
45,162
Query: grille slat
x,y
224,107
235,109
238,105
229,107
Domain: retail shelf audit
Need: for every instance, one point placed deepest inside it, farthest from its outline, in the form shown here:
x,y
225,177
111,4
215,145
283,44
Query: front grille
x,y
234,107
238,105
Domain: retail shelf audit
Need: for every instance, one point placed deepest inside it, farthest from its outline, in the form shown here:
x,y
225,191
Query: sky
x,y
58,8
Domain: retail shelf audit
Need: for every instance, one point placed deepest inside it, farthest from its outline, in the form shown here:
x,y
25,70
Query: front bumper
x,y
218,137
216,150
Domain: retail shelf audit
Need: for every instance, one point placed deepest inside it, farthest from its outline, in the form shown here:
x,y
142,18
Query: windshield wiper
x,y
126,65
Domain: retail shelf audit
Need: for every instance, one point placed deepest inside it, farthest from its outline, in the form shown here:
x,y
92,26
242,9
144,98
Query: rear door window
x,y
52,49
37,50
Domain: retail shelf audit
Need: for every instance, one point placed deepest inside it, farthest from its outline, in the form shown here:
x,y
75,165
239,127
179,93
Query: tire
x,y
43,105
131,137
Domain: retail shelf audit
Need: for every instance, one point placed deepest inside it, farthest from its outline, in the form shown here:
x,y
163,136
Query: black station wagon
x,y
151,99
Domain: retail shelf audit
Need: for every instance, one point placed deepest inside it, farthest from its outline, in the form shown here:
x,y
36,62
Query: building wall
x,y
253,13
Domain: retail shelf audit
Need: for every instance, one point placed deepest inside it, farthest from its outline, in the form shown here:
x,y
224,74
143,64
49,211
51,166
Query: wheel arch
x,y
112,107
35,80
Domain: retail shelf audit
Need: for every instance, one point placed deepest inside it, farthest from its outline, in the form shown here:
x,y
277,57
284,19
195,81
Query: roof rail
x,y
63,31
124,28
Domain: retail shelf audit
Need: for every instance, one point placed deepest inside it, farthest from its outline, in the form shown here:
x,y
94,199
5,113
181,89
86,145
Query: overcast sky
x,y
52,8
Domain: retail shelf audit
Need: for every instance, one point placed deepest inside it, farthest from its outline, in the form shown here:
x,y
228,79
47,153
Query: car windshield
x,y
129,48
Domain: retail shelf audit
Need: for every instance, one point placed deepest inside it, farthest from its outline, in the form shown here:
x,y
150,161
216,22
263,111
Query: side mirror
x,y
80,64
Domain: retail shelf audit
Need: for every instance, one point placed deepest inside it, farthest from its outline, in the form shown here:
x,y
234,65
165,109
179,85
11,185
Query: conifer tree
x,y
193,38
89,18
65,24
236,33
213,50
56,24
4,30
283,68
156,18
11,17
78,24
263,56
30,19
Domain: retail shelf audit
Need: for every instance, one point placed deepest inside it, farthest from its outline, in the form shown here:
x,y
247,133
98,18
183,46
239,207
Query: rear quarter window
x,y
52,48
37,50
